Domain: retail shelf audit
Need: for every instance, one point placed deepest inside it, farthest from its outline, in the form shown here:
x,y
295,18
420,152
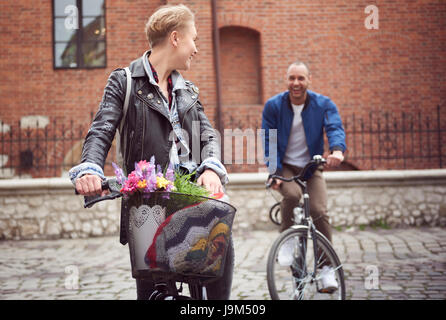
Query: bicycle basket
x,y
177,234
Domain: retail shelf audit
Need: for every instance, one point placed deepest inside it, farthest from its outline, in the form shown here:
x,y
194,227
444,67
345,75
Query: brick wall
x,y
399,68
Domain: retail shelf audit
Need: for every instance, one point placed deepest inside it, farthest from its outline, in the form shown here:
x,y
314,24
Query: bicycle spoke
x,y
319,262
299,281
301,292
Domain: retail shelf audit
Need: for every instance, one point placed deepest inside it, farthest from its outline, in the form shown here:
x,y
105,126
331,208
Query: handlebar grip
x,y
104,186
107,184
273,181
268,185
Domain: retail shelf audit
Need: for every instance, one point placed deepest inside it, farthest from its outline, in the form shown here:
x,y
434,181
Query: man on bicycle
x,y
300,117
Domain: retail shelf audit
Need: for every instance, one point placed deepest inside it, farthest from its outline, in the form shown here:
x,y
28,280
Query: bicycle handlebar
x,y
304,175
108,184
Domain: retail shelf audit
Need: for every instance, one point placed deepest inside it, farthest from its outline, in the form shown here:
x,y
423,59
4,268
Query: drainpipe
x,y
216,51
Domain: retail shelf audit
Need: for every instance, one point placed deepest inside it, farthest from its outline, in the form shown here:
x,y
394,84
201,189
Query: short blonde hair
x,y
165,20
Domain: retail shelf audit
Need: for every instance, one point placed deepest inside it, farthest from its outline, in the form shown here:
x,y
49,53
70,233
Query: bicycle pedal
x,y
328,290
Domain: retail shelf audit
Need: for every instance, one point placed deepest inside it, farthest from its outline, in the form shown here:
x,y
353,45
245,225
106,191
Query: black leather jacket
x,y
148,125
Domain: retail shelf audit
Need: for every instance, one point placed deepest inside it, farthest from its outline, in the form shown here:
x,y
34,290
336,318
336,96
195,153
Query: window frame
x,y
79,39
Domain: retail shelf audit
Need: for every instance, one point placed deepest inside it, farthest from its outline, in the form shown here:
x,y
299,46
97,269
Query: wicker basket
x,y
177,236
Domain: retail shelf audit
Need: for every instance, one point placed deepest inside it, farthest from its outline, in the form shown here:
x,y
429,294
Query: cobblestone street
x,y
407,263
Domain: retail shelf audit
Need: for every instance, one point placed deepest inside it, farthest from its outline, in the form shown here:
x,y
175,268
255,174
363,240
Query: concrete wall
x,y
48,208
385,198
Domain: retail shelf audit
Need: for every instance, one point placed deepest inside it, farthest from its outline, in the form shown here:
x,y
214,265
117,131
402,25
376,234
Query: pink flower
x,y
147,177
144,166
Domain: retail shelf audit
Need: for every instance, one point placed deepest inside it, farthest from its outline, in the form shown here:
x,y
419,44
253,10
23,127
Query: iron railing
x,y
43,152
377,140
384,140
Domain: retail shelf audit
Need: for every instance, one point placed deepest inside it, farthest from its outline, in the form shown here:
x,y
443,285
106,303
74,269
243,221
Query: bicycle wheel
x,y
177,291
274,214
295,278
196,292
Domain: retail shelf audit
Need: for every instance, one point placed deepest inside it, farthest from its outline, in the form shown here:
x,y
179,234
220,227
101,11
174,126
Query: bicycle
x,y
274,214
299,278
168,285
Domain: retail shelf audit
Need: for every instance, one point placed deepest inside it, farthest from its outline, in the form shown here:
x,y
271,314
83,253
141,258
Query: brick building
x,y
384,67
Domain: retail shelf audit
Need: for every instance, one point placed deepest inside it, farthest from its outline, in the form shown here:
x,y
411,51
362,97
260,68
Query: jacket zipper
x,y
143,131
185,113
128,147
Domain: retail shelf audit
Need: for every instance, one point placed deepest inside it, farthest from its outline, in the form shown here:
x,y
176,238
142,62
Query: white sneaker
x,y
328,280
286,253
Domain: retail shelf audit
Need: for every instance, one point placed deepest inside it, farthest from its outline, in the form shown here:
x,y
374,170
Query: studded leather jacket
x,y
150,127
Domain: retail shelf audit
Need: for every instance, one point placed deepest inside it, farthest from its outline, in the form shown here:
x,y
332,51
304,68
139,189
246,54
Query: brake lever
x,y
273,181
269,185
89,201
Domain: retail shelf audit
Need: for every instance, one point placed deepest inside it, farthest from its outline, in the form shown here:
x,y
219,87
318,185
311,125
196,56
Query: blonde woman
x,y
163,107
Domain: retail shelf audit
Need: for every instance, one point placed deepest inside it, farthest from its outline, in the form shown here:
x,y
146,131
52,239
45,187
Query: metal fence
x,y
384,140
42,152
375,141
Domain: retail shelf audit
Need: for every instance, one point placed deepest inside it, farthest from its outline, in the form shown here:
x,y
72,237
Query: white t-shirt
x,y
297,153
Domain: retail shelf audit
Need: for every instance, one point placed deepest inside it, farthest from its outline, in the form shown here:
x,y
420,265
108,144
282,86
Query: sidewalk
x,y
408,263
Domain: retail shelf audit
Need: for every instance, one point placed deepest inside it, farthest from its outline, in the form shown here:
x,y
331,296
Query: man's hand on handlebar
x,y
274,183
90,185
335,159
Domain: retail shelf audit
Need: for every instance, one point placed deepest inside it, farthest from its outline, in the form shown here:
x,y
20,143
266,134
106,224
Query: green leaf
x,y
183,184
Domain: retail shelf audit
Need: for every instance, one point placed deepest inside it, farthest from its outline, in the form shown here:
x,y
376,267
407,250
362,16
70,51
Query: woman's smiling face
x,y
186,47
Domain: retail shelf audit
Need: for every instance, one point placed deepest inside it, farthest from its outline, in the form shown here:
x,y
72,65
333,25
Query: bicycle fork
x,y
311,235
198,291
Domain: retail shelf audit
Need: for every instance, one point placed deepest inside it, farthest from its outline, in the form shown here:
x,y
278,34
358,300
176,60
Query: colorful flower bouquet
x,y
148,177
174,226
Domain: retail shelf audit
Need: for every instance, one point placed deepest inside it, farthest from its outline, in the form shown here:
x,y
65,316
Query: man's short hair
x,y
166,19
299,63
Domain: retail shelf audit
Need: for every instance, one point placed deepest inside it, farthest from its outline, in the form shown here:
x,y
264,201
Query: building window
x,y
79,34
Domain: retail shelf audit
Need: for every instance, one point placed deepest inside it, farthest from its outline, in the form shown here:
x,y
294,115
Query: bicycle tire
x,y
274,214
290,277
196,291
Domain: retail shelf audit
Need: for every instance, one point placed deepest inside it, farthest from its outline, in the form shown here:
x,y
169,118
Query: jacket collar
x,y
137,68
184,98
141,68
306,103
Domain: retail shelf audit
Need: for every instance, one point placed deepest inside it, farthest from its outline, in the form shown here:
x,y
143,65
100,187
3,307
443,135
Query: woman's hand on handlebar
x,y
90,185
210,180
335,159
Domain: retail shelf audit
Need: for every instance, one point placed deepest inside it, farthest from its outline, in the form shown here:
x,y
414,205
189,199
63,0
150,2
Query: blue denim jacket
x,y
319,113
